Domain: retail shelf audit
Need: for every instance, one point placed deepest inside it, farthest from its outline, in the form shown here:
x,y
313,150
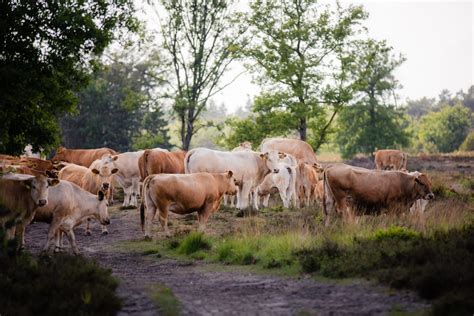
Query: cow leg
x,y
255,198
72,241
150,214
203,216
232,200
163,217
283,197
52,232
88,227
127,195
266,199
104,230
225,199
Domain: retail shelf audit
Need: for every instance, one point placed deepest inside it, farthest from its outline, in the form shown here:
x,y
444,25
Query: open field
x,y
285,262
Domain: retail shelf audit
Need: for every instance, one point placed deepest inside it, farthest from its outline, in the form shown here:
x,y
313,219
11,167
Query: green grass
x,y
165,301
193,243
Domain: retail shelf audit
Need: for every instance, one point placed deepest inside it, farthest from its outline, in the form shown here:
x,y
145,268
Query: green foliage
x,y
55,286
165,300
298,47
46,52
370,123
468,143
118,108
443,131
438,267
192,243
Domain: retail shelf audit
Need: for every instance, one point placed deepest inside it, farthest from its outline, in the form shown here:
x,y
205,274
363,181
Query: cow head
x,y
231,183
246,145
38,187
272,158
422,185
105,173
103,213
59,156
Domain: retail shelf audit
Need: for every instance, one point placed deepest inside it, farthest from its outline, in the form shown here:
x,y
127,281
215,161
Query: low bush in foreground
x,y
438,266
61,285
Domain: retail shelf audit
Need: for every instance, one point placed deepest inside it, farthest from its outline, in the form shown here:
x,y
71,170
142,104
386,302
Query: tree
x,y
119,107
420,107
300,49
46,50
370,123
445,130
201,45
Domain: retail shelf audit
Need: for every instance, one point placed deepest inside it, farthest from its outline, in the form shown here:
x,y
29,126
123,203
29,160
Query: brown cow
x,y
183,194
68,206
301,150
20,196
158,161
82,157
390,159
308,177
91,180
346,187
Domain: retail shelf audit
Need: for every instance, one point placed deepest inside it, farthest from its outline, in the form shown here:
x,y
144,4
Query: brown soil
x,y
203,291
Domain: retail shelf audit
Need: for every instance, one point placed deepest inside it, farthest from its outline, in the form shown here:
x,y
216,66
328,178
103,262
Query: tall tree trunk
x,y
373,132
188,136
302,128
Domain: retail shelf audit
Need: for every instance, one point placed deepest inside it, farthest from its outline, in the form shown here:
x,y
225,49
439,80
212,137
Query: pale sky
x,y
436,37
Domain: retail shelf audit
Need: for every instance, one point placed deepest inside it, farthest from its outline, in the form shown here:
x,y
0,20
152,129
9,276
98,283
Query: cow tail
x,y
327,192
142,204
186,161
144,164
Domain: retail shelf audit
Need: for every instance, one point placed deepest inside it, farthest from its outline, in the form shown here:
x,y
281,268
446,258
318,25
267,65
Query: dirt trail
x,y
202,292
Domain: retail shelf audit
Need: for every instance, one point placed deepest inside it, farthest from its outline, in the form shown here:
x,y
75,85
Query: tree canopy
x,y
46,50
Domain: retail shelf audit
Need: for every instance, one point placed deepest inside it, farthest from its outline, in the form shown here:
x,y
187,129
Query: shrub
x,y
468,143
192,243
396,232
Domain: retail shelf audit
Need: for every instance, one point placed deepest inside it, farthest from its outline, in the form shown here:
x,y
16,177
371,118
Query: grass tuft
x,y
193,243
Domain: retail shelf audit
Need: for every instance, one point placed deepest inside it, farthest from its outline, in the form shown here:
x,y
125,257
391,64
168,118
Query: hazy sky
x,y
436,37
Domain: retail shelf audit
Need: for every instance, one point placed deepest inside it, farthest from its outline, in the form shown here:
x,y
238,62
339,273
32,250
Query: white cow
x,y
248,167
69,205
280,178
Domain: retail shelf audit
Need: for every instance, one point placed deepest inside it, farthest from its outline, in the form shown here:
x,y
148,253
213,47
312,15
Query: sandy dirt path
x,y
202,291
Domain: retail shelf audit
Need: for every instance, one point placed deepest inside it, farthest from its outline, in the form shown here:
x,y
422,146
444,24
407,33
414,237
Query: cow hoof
x,y
88,233
105,233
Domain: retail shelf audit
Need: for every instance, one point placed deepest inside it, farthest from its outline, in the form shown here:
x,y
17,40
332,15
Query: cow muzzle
x,y
429,196
42,202
105,186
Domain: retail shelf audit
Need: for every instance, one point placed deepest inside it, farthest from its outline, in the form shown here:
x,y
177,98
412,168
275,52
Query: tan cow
x,y
308,177
299,149
347,187
248,167
183,194
390,159
68,206
157,161
81,157
92,180
20,196
243,146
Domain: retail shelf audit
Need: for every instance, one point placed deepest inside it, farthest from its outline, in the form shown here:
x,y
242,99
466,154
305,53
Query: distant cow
x,y
308,177
81,157
20,196
248,167
390,159
299,149
183,194
158,161
279,180
347,187
69,205
243,146
92,180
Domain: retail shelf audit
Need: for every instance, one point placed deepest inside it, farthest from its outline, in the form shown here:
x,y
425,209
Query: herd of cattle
x,y
77,185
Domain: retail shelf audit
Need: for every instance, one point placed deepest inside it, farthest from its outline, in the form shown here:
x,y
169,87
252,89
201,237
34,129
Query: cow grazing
x,y
20,196
390,159
244,146
183,194
81,157
69,205
92,180
299,149
248,167
346,187
158,161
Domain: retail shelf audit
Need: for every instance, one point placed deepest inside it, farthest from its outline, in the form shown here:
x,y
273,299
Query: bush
x,y
438,266
192,243
468,143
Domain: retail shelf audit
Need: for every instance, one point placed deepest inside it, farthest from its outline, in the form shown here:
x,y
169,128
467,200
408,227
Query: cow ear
x,y
230,174
28,183
53,182
115,170
289,170
264,156
114,157
101,195
95,171
281,155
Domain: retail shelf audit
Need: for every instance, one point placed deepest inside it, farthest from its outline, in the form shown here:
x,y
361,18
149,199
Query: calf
x,y
69,205
92,180
183,194
281,179
20,196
